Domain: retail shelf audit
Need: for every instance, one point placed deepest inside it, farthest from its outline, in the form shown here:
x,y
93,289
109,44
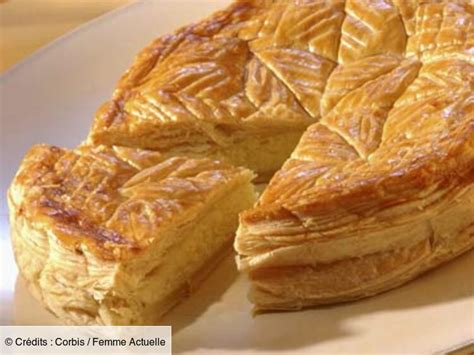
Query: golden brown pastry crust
x,y
115,235
259,69
378,190
148,67
234,81
94,198
381,188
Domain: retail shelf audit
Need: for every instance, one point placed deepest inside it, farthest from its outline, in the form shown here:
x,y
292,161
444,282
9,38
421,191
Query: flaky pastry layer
x,y
117,236
380,189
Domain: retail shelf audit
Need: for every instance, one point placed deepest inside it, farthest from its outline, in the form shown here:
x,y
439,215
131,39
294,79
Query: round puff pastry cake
x,y
378,189
381,188
111,236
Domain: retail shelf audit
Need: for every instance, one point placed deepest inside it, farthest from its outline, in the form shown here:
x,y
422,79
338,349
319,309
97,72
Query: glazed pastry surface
x,y
115,235
359,112
232,87
380,189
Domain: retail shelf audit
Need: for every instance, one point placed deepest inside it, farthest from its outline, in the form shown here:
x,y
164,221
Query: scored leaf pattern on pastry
x,y
304,73
346,78
314,26
391,110
374,73
272,96
360,116
384,93
202,76
443,30
112,200
370,27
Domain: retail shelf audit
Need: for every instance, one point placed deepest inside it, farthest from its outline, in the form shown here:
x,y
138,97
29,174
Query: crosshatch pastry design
x,y
359,114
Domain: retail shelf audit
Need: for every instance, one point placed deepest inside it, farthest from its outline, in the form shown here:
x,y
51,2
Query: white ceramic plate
x,y
51,98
